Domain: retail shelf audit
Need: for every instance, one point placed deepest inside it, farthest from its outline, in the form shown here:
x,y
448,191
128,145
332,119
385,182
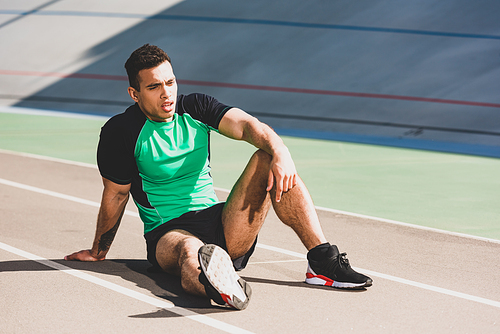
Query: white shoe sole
x,y
314,279
219,271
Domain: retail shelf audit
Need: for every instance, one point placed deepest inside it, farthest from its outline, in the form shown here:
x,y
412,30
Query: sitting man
x,y
158,150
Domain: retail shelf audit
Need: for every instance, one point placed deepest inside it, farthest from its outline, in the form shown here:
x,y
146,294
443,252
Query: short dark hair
x,y
147,56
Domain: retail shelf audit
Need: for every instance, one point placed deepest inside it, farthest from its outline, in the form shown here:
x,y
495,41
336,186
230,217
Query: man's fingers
x,y
270,181
71,257
282,183
289,182
277,182
83,255
279,189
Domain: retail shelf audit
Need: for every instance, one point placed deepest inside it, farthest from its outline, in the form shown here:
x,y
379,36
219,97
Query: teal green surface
x,y
59,137
446,191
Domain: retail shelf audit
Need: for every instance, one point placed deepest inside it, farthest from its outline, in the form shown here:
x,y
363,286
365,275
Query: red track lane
x,y
255,87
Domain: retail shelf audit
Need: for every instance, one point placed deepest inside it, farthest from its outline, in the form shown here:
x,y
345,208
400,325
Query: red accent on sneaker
x,y
226,298
328,281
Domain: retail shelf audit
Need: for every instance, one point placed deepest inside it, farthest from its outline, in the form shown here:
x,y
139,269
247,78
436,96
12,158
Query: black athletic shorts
x,y
204,224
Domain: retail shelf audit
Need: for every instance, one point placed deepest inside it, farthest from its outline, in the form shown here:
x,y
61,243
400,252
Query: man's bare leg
x,y
177,254
242,218
180,253
245,212
249,202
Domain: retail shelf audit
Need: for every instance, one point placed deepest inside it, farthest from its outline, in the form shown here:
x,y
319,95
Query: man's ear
x,y
133,94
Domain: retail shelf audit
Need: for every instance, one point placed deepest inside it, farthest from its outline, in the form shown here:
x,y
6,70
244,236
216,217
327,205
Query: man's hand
x,y
83,255
283,172
239,125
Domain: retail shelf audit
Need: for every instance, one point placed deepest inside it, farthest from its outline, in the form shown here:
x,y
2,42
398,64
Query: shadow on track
x,y
160,284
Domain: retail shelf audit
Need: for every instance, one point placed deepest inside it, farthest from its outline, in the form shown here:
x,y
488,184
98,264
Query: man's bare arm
x,y
239,125
114,199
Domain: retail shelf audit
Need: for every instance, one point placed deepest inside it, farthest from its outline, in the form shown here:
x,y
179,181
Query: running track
x,y
425,281
429,290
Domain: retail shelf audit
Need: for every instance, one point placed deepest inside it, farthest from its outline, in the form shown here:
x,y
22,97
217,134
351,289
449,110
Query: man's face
x,y
157,96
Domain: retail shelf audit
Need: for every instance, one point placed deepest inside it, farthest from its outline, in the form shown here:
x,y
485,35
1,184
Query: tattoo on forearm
x,y
108,237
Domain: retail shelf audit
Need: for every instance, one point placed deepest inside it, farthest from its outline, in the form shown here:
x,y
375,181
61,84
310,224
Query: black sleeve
x,y
204,108
115,152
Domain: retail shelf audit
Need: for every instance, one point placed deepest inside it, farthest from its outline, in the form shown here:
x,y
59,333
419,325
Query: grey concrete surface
x,y
388,49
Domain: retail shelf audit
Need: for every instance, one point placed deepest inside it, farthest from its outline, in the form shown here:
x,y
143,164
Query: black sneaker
x,y
335,271
221,282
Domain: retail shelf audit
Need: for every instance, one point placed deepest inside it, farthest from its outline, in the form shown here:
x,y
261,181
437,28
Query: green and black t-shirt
x,y
166,163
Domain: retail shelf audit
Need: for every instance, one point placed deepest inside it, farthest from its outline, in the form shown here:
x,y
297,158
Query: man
x,y
158,150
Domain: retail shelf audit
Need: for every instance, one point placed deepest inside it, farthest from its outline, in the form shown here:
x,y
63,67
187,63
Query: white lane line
x,y
418,227
400,280
282,261
279,250
41,112
46,158
127,292
59,195
347,213
432,288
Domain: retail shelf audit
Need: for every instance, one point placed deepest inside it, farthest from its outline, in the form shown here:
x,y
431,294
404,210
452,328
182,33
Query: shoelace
x,y
332,266
343,261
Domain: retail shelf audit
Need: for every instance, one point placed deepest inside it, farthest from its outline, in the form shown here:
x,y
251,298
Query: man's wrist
x,y
280,150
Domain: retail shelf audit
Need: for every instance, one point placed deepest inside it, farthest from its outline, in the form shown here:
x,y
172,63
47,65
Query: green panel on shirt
x,y
170,157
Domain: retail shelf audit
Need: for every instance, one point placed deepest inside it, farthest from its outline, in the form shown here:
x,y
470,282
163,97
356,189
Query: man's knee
x,y
175,248
258,166
262,157
188,250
